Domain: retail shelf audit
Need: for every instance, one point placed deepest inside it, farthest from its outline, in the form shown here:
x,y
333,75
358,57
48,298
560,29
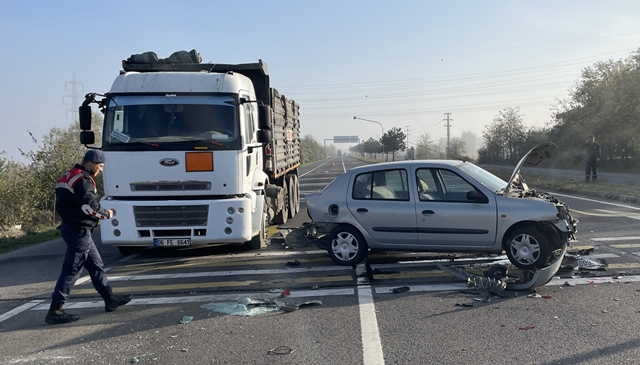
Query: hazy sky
x,y
401,63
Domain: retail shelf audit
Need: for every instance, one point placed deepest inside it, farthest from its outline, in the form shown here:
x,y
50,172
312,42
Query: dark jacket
x,y
592,149
77,201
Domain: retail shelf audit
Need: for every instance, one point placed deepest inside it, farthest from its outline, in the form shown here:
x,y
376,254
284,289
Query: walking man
x,y
592,149
78,204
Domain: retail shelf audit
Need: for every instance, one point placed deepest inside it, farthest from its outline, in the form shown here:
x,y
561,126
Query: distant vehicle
x,y
197,153
440,206
339,152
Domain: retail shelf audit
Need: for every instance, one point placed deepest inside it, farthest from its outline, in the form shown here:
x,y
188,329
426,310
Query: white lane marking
x,y
343,168
86,278
608,239
317,167
371,345
208,298
602,256
275,254
21,309
595,201
619,213
594,280
420,288
228,273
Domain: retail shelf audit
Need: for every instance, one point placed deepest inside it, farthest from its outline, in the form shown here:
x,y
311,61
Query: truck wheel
x,y
292,197
283,215
260,240
130,250
296,192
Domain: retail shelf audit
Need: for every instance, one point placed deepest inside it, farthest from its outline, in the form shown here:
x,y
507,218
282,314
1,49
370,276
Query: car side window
x,y
427,187
455,187
382,185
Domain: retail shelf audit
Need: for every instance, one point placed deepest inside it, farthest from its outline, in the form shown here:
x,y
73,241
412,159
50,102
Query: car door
x,y
446,217
380,201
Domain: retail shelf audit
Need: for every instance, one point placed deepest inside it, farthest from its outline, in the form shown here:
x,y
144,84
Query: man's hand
x,y
110,213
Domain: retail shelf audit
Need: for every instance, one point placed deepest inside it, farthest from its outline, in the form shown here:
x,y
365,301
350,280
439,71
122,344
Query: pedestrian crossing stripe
x,y
626,245
631,265
172,266
605,239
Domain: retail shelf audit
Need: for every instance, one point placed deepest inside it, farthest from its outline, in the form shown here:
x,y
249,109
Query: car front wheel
x,y
346,246
527,248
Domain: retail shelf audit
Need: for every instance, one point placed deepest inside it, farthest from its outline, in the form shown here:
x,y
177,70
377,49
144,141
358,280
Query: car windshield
x,y
167,119
484,177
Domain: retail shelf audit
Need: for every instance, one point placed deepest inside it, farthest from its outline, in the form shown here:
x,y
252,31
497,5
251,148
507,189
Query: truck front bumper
x,y
138,223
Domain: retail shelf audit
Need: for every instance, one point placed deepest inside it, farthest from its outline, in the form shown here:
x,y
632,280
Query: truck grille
x,y
170,186
171,216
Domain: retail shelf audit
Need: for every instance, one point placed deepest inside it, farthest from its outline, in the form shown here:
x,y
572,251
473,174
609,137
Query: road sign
x,y
346,139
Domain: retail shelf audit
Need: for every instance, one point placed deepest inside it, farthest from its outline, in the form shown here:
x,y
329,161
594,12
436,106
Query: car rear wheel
x,y
527,248
346,246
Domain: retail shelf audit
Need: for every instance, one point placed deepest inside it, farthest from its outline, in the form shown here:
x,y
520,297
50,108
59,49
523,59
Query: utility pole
x,y
448,119
74,97
407,129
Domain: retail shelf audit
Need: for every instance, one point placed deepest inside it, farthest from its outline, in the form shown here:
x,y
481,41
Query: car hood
x,y
535,156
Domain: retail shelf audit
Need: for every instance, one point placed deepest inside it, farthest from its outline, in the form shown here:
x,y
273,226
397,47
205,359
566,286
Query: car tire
x,y
130,250
292,197
346,246
527,248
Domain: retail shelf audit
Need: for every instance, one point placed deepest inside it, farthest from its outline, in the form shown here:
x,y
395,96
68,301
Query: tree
x,y
393,140
504,138
372,147
427,149
457,149
310,149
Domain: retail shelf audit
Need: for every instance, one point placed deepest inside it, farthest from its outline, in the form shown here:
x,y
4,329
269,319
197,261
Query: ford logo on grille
x,y
169,162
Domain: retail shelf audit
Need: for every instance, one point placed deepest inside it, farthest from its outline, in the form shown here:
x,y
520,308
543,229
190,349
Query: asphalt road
x,y
591,320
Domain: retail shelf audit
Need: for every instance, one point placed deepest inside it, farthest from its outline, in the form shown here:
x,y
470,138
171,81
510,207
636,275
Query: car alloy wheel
x,y
346,246
527,248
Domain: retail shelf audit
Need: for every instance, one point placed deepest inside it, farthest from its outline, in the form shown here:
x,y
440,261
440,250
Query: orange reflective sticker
x,y
199,161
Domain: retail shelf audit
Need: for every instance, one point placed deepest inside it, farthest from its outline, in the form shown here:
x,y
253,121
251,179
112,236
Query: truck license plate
x,y
160,242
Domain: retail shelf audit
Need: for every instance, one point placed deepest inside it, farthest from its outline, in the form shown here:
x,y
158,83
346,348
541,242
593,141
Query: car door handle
x,y
428,212
362,210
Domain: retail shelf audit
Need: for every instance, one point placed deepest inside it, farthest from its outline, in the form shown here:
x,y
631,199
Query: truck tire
x,y
292,196
283,215
296,192
260,240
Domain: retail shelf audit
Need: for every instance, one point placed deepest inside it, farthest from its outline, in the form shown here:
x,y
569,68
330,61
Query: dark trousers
x,y
590,172
81,253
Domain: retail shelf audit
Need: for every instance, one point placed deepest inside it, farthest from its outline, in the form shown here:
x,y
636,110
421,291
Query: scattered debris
x,y
496,272
285,293
584,263
401,289
464,305
526,328
494,286
282,350
184,350
278,290
616,299
293,263
136,359
566,283
534,295
314,287
243,307
547,296
287,307
186,319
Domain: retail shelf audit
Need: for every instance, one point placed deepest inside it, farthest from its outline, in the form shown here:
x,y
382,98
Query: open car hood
x,y
537,154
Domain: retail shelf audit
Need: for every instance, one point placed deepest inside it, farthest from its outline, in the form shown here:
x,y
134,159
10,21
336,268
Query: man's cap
x,y
95,156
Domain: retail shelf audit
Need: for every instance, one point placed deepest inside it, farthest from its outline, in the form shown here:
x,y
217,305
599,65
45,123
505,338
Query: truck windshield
x,y
164,120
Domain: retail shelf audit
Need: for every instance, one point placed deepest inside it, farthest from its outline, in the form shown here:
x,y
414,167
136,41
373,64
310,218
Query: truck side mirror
x,y
264,136
264,117
84,113
87,137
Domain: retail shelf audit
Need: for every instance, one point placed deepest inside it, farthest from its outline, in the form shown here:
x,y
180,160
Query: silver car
x,y
441,206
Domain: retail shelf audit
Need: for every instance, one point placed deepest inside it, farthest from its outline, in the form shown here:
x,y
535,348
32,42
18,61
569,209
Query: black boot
x,y
57,316
112,301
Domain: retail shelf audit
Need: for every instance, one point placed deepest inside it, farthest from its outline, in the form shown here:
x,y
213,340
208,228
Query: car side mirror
x,y
476,196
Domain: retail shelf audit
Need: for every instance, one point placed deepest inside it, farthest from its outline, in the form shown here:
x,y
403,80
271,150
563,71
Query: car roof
x,y
406,164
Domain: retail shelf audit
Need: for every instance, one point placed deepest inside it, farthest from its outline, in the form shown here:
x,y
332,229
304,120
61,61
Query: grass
x,y
30,238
